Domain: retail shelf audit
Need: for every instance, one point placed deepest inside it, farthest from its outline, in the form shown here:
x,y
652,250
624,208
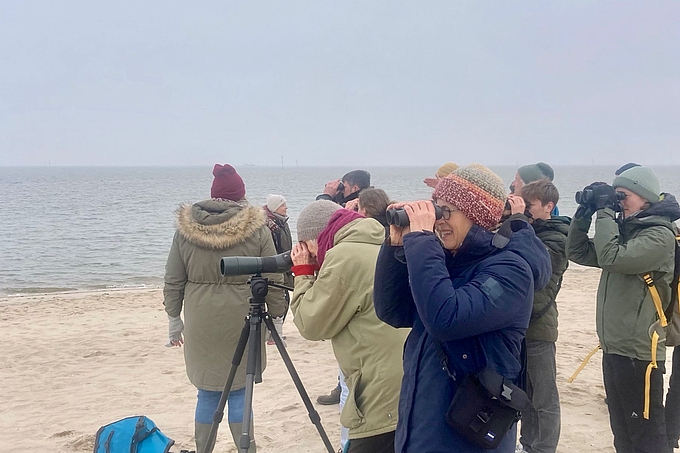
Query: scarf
x,y
326,238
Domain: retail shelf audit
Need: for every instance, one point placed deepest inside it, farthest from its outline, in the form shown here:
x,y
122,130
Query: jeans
x,y
344,393
624,384
540,430
673,401
208,401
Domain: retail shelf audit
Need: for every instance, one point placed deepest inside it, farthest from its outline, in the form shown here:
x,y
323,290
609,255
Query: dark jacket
x,y
553,234
477,303
283,240
339,198
625,250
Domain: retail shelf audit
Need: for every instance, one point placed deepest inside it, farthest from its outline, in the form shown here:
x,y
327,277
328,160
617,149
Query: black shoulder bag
x,y
485,406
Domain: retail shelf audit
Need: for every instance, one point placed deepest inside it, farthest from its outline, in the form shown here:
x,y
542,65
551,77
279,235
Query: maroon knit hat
x,y
476,191
227,184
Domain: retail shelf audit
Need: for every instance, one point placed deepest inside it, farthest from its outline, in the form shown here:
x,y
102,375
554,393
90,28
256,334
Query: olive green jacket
x,y
215,306
338,305
553,234
625,251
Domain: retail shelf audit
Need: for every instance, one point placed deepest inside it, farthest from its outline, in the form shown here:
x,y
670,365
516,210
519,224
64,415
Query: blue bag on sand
x,y
132,435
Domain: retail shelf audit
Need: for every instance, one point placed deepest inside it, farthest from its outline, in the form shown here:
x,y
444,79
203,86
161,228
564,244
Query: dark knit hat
x,y
227,184
625,167
531,173
475,190
314,218
446,169
641,181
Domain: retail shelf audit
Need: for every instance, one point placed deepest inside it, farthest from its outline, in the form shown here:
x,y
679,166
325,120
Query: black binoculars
x,y
399,218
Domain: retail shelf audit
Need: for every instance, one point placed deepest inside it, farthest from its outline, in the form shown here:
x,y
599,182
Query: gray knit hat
x,y
641,181
531,173
314,218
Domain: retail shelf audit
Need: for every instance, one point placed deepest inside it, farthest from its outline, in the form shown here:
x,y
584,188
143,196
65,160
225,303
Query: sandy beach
x,y
74,362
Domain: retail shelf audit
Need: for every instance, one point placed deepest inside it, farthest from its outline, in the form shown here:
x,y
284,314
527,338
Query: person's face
x,y
539,210
632,203
349,189
282,210
362,211
453,230
517,184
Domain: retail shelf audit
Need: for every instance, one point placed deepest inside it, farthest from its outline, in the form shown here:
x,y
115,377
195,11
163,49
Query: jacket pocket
x,y
351,416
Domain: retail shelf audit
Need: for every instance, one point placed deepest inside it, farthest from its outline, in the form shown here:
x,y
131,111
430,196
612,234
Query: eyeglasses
x,y
446,212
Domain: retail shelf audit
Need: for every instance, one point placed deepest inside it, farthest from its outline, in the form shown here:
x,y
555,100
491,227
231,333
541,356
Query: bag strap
x,y
539,314
443,358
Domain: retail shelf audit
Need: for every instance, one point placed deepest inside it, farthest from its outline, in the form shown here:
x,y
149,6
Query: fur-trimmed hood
x,y
218,224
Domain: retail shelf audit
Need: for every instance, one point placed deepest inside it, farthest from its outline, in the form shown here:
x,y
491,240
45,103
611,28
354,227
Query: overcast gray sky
x,y
327,83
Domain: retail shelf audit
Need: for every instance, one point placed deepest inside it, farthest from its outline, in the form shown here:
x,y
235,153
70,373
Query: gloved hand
x,y
175,329
604,196
583,212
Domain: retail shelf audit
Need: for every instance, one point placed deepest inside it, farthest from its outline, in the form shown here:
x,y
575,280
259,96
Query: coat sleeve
x,y
391,291
639,255
490,301
558,259
323,306
580,248
175,280
276,302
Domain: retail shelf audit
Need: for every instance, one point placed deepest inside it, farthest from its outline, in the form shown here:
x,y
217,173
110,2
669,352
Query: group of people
x,y
417,314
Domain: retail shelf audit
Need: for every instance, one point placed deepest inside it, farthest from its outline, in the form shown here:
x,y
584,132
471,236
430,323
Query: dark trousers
x,y
624,384
540,429
673,401
382,443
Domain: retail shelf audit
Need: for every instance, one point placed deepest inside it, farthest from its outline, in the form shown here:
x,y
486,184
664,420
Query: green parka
x,y
215,306
625,251
338,305
553,234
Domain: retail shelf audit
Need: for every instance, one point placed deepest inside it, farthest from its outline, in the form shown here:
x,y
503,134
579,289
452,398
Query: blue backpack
x,y
132,435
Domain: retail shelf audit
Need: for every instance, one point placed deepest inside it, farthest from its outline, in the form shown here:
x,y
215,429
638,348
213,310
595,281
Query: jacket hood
x,y
365,231
667,207
479,243
218,224
557,223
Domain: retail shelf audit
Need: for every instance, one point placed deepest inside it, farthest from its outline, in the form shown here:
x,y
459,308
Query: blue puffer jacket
x,y
477,303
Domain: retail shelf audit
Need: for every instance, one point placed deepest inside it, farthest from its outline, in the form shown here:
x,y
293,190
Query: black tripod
x,y
251,335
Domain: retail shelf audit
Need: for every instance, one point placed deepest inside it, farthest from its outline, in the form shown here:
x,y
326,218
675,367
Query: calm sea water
x,y
75,228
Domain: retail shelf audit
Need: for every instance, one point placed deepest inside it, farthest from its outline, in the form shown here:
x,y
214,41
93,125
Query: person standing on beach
x,y
540,428
635,250
333,264
277,222
343,191
467,297
215,306
348,188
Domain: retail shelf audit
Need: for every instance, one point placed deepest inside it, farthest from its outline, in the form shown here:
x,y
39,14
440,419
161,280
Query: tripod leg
x,y
253,373
313,414
219,412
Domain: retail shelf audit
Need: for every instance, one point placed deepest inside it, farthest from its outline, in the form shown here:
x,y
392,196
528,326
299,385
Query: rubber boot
x,y
202,433
235,429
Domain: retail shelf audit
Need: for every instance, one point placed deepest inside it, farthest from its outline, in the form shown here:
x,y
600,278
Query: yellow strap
x,y
648,375
583,364
656,298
